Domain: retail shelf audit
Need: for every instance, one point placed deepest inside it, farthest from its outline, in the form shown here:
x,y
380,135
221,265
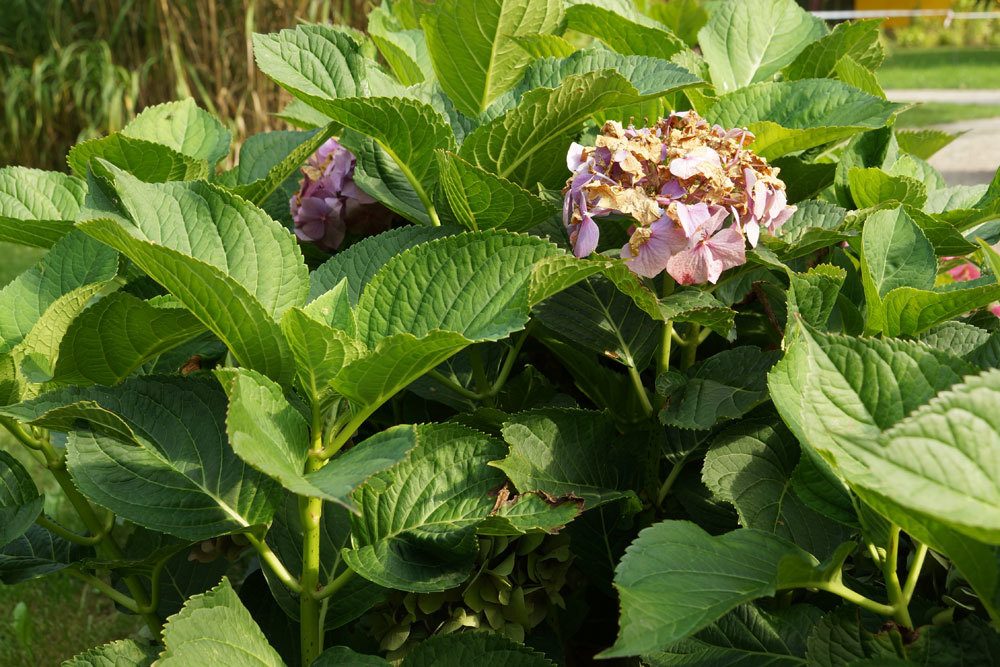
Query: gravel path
x,y
973,158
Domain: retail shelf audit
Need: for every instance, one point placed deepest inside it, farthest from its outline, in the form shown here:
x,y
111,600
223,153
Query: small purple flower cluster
x,y
680,180
329,204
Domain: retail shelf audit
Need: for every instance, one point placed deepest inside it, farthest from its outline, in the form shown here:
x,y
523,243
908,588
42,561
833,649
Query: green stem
x,y
310,516
668,483
107,589
640,391
508,366
901,612
479,377
663,360
22,435
343,435
335,585
274,563
838,588
914,574
68,535
690,351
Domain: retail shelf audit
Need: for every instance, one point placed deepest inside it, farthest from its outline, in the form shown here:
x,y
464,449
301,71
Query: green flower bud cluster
x,y
517,581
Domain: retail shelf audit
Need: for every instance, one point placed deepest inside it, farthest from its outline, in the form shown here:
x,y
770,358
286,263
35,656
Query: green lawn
x,y
941,68
934,113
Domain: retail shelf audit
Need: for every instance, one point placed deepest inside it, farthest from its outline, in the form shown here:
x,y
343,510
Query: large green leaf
x,y
320,351
858,40
672,561
791,116
485,649
629,33
407,130
120,653
272,435
595,314
144,159
269,160
34,554
74,262
116,335
571,452
405,51
474,284
751,40
480,200
215,628
232,266
20,502
473,45
724,386
37,207
746,636
417,527
157,454
527,145
872,186
182,126
313,62
751,465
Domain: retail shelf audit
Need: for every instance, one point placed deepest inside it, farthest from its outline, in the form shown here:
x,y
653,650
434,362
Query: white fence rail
x,y
947,14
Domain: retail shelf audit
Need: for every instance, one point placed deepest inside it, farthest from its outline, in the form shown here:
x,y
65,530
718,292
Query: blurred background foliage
x,y
74,69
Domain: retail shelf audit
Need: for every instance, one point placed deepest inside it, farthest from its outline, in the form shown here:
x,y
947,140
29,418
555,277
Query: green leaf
x,y
684,18
144,159
433,286
531,513
74,262
233,267
416,531
627,33
270,159
745,636
818,487
813,294
405,51
570,452
216,628
750,465
816,224
340,656
20,502
37,207
923,143
752,40
118,334
858,40
121,653
546,46
872,186
791,116
673,560
481,200
185,128
473,46
596,315
853,74
939,460
527,145
320,351
158,455
724,386
272,435
895,253
408,131
34,554
360,262
313,62
699,307
487,649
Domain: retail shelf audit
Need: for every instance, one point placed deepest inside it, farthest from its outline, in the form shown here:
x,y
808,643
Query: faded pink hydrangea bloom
x,y
329,205
696,192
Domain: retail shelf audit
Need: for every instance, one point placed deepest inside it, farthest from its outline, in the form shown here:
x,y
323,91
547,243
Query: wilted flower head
x,y
681,181
329,205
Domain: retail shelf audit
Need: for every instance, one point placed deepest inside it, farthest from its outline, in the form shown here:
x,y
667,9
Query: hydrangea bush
x,y
556,332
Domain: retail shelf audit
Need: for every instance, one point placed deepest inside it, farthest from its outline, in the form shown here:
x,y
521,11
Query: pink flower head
x,y
702,160
650,248
579,211
767,207
964,271
329,203
709,252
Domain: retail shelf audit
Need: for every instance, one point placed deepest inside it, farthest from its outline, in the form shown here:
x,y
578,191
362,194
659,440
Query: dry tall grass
x,y
73,69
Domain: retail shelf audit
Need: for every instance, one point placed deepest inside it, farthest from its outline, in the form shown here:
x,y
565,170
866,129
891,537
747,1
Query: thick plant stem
x,y
269,558
900,605
668,483
310,515
690,350
640,392
666,337
914,574
838,588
